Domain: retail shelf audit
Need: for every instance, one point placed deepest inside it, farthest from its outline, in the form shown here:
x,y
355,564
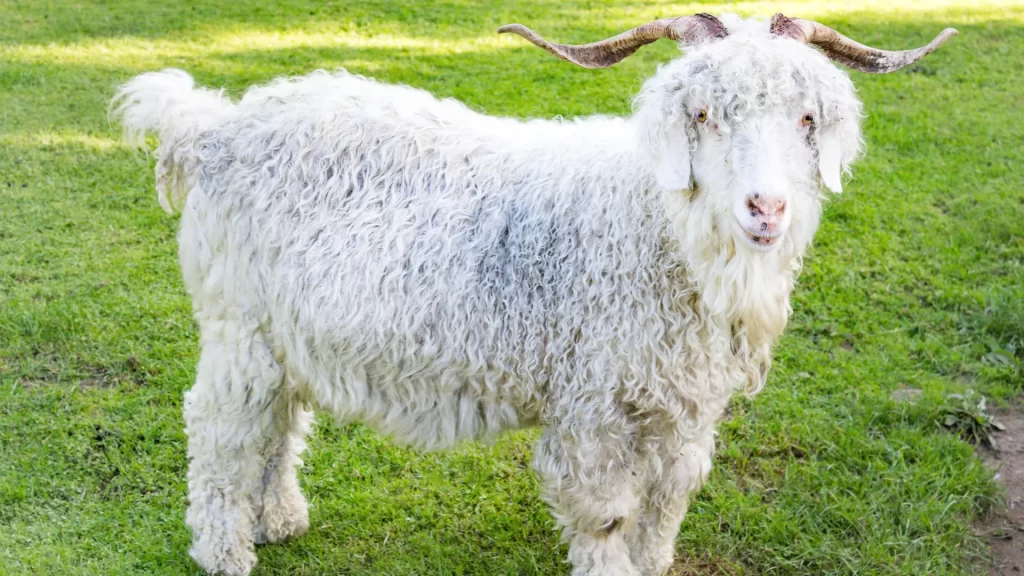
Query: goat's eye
x,y
807,120
702,116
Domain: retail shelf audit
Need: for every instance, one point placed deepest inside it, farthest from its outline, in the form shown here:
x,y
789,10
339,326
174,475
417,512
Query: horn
x,y
686,30
849,52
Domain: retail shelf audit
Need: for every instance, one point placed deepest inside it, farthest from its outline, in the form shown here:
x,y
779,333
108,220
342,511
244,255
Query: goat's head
x,y
751,123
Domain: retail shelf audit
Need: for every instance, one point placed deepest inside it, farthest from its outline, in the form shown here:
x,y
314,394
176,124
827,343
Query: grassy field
x,y
915,283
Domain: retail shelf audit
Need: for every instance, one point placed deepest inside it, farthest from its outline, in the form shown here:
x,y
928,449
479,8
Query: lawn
x,y
915,284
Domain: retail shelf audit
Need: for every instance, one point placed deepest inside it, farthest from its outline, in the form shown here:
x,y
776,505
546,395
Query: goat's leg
x,y
683,468
230,420
281,510
591,488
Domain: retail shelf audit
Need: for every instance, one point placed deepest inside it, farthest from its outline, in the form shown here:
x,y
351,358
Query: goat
x,y
440,275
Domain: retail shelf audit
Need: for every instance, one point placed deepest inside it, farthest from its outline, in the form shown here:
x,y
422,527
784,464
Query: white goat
x,y
441,275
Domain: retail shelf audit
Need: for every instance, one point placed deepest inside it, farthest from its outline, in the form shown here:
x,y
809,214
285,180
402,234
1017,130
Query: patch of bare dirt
x,y
119,373
1004,529
87,375
708,566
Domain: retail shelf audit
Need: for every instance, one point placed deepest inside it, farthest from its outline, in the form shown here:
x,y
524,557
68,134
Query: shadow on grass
x,y
43,23
517,79
580,19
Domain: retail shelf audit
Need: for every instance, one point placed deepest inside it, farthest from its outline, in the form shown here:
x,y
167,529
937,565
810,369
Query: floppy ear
x,y
839,143
830,165
672,160
661,121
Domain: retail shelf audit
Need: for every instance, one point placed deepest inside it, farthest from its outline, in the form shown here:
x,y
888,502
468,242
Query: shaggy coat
x,y
440,275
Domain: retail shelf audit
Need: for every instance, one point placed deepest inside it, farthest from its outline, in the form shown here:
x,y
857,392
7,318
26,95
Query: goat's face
x,y
750,128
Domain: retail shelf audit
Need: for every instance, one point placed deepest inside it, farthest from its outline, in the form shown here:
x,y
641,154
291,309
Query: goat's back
x,y
384,237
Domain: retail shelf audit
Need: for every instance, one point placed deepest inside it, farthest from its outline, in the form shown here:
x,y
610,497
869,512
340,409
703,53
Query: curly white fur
x,y
441,275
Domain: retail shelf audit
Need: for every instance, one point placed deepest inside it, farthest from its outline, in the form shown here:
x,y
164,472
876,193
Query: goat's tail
x,y
168,104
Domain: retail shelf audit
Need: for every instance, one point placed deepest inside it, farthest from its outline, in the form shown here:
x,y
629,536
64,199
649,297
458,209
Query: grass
x,y
916,282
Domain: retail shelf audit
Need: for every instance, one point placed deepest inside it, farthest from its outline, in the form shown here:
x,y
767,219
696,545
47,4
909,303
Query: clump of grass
x,y
1000,328
967,416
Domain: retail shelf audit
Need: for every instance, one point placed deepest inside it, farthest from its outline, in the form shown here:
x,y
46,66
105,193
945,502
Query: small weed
x,y
966,415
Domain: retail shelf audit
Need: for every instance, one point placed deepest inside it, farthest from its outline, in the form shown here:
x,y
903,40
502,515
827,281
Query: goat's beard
x,y
748,291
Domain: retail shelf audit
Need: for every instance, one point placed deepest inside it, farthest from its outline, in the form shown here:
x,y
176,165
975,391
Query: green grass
x,y
916,281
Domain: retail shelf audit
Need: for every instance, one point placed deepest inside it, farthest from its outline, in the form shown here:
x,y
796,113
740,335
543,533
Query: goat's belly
x,y
430,411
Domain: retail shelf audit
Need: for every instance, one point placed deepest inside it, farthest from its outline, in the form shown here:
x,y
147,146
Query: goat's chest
x,y
697,365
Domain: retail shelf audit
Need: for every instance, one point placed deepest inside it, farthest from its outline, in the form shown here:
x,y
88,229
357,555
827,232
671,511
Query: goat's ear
x,y
672,160
830,165
662,125
839,144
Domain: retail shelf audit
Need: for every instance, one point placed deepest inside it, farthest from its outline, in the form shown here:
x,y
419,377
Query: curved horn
x,y
850,52
684,29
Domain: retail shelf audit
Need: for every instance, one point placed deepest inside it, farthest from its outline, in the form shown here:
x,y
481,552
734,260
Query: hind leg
x,y
231,421
281,509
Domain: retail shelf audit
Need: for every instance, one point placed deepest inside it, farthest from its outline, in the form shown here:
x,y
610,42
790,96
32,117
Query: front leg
x,y
588,480
682,471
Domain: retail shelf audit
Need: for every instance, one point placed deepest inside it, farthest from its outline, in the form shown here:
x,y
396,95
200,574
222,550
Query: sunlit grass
x,y
56,139
154,52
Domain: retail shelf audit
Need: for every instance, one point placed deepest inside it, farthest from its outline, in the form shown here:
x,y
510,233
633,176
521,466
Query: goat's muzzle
x,y
768,219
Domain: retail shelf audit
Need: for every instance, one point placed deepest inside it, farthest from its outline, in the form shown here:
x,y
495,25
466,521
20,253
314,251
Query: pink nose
x,y
767,211
761,205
